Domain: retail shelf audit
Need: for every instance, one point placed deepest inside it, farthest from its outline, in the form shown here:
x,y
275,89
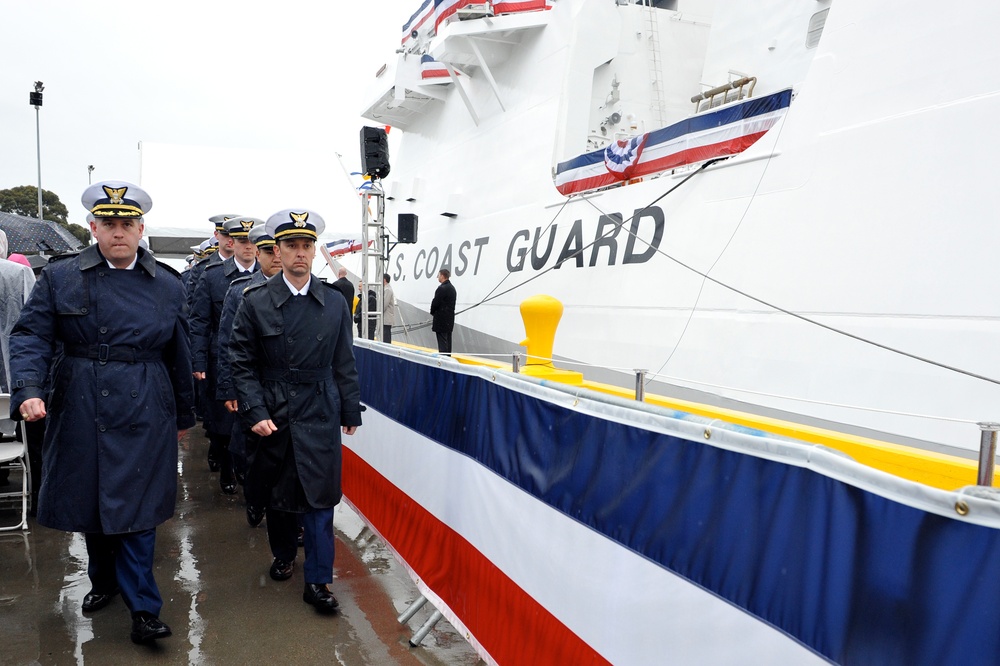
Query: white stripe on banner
x,y
627,608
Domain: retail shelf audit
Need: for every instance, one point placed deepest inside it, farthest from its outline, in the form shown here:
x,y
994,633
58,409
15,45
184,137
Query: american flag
x,y
344,246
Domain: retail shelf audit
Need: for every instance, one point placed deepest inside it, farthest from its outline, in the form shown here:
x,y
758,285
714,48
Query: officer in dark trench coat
x,y
102,348
206,312
282,527
292,362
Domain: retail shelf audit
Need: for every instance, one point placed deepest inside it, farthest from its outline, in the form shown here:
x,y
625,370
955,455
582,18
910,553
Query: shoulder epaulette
x,y
170,269
217,264
254,286
242,278
65,255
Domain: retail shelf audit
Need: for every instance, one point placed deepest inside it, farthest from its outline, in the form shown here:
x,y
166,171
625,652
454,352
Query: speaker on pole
x,y
374,152
407,232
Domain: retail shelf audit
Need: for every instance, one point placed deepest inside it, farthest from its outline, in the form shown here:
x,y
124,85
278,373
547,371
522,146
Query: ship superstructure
x,y
860,215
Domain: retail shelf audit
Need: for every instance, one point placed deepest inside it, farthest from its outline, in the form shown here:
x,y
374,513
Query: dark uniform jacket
x,y
197,271
224,389
443,307
108,352
344,286
206,311
292,360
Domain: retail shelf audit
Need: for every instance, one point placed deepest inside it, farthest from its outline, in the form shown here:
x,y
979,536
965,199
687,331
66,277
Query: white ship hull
x,y
867,208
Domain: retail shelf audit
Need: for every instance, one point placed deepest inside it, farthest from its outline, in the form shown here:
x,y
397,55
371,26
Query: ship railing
x,y
733,91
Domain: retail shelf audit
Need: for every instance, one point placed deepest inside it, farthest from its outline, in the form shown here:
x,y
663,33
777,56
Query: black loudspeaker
x,y
374,152
407,232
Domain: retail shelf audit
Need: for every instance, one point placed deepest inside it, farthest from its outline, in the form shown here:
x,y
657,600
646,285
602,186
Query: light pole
x,y
36,101
90,170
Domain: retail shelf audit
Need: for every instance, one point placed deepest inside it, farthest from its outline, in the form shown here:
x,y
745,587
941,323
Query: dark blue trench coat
x,y
108,352
304,379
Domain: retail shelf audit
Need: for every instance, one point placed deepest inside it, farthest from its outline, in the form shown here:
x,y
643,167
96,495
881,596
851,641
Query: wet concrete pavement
x,y
219,601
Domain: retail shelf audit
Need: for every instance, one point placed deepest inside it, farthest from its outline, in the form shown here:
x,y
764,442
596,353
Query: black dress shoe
x,y
95,601
147,627
300,540
282,570
227,483
320,598
254,515
227,480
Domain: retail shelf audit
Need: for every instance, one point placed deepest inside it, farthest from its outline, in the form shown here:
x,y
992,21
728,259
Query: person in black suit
x,y
443,311
344,286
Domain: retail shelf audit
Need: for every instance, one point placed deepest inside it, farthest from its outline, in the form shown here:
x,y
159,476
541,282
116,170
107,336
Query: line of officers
x,y
108,350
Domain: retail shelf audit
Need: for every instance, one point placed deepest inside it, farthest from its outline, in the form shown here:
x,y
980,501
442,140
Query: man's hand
x,y
349,430
265,428
180,434
33,409
198,375
232,406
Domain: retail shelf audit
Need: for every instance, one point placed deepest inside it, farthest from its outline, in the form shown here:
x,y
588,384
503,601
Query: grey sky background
x,y
275,86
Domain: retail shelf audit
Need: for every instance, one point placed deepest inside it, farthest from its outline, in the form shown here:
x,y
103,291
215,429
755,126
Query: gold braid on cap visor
x,y
309,233
116,210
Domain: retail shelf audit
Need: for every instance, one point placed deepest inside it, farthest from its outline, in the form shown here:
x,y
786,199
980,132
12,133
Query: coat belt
x,y
296,375
105,353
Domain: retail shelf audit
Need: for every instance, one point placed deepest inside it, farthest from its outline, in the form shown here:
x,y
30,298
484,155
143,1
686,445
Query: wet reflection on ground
x,y
218,599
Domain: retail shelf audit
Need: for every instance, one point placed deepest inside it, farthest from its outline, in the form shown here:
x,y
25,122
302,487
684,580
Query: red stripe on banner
x,y
511,7
699,154
510,625
585,184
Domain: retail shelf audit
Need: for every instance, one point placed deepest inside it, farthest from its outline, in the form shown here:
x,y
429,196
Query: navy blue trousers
x,y
125,561
318,544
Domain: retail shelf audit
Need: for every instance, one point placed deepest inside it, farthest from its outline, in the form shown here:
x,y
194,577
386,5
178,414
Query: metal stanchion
x,y
426,629
987,452
515,363
640,384
414,607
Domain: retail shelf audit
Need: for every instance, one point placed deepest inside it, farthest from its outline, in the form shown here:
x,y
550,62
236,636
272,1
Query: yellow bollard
x,y
541,315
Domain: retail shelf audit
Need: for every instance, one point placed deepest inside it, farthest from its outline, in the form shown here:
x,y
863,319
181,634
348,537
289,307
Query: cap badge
x,y
247,225
299,219
115,194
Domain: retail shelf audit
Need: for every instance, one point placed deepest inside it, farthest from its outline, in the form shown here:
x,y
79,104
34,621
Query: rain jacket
x,y
303,378
108,352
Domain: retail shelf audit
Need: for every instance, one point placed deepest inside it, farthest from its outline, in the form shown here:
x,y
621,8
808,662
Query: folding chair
x,y
14,457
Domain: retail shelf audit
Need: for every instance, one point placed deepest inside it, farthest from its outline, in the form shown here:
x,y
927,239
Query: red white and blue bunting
x,y
726,131
433,71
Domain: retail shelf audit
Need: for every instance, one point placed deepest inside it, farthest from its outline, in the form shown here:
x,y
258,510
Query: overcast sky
x,y
281,78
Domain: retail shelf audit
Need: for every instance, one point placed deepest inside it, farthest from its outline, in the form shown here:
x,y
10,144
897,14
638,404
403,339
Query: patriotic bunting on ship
x,y
418,19
726,131
432,71
514,7
622,156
